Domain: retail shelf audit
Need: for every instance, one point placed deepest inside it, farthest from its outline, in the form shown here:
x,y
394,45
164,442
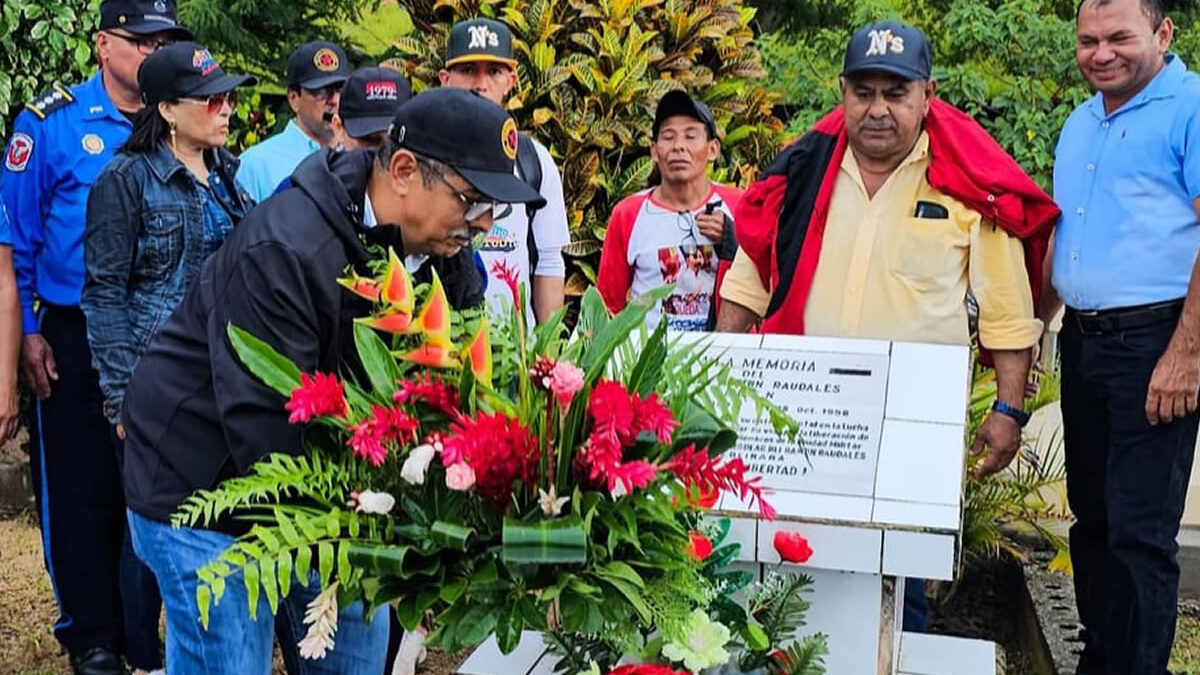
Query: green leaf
x,y
616,331
250,576
452,590
325,560
450,535
395,561
376,360
649,367
303,565
508,628
274,369
561,540
620,571
285,571
270,587
203,600
755,637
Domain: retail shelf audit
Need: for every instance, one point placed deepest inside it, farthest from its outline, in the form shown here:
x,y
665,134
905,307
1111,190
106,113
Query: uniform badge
x,y
508,138
326,60
20,149
93,144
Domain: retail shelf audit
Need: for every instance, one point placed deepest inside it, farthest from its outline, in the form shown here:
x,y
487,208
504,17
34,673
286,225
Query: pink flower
x,y
566,379
385,428
318,395
460,476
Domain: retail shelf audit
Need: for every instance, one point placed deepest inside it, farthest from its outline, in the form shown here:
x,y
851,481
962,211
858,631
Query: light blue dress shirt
x,y
1126,182
265,165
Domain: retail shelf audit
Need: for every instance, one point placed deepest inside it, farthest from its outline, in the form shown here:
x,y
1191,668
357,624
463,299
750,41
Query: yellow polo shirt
x,y
888,275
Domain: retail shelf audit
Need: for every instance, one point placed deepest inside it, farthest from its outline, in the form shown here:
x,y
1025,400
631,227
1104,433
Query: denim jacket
x,y
143,247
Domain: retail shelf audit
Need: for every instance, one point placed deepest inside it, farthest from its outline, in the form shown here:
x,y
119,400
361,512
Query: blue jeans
x,y
1126,483
234,643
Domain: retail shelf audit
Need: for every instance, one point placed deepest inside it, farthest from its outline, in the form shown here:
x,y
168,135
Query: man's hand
x,y
1173,386
38,369
120,431
712,226
9,405
1002,435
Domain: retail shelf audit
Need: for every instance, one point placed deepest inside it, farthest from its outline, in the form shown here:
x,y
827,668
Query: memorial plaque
x,y
838,399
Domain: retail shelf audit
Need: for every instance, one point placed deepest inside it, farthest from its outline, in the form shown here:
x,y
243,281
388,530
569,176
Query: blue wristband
x,y
1017,414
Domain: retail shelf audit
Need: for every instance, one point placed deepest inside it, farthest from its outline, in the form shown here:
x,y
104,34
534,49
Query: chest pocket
x,y
929,251
160,247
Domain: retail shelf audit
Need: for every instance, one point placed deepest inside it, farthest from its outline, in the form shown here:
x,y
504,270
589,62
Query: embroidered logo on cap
x,y
160,6
93,144
508,138
326,60
382,90
203,61
882,42
20,149
483,37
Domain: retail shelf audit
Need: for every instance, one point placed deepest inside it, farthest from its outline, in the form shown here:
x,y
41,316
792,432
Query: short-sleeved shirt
x,y
265,165
5,227
649,244
1126,183
886,274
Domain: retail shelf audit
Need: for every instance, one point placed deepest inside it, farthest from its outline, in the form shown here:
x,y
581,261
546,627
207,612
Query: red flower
x,y
651,415
612,412
646,670
432,391
319,395
499,449
508,275
631,476
705,499
696,469
384,429
699,547
792,547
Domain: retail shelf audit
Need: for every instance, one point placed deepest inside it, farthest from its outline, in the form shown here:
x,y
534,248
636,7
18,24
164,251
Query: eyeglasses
x,y
145,45
214,102
324,93
687,224
474,209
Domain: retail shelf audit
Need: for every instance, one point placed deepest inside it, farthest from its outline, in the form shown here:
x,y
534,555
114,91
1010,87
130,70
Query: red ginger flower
x,y
792,547
508,275
384,429
498,448
651,415
319,395
699,546
696,469
432,391
612,412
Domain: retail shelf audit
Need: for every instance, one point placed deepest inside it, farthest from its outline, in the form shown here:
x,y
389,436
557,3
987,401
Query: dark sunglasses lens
x,y
217,101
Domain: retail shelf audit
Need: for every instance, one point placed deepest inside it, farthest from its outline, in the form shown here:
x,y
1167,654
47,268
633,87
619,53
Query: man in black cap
x,y
479,58
316,72
60,142
195,416
878,221
369,101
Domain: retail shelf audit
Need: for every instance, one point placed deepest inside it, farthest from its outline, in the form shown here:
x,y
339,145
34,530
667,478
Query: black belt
x,y
1096,322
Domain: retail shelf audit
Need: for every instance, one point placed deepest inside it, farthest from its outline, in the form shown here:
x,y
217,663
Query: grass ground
x,y
1186,659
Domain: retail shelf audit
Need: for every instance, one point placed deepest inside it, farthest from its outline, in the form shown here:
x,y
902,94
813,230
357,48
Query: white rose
x,y
417,464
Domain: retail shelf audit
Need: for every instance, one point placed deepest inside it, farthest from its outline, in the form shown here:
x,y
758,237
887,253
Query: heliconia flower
x,y
479,351
379,503
432,355
792,546
460,476
417,464
321,617
383,429
508,275
319,395
566,379
391,320
699,546
397,288
434,319
363,287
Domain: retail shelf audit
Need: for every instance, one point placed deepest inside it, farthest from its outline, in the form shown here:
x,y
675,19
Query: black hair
x,y
1151,8
149,128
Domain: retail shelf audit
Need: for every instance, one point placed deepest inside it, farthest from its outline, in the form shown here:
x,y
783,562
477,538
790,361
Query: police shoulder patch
x,y
57,97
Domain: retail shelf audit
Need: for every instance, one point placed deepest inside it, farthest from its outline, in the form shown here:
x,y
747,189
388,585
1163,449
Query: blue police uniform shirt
x,y
59,145
5,227
265,165
1126,183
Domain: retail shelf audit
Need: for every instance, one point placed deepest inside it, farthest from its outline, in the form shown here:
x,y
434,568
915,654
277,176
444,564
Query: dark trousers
x,y
1126,483
81,506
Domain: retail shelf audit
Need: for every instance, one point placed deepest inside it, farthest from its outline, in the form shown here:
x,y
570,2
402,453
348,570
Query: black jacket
x,y
194,415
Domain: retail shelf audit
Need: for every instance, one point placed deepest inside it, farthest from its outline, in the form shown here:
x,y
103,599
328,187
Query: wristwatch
x,y
1017,414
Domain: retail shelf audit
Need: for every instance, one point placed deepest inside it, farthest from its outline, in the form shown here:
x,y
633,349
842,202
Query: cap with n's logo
x,y
890,47
480,40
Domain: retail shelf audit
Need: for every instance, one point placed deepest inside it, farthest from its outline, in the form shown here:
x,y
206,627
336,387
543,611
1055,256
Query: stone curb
x,y
1053,624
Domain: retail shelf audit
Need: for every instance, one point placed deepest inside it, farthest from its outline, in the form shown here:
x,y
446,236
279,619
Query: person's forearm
x,y
10,331
1186,339
1050,303
1012,371
734,318
547,297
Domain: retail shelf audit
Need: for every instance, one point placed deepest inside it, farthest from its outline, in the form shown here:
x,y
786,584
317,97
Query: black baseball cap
x,y
480,40
142,17
677,102
317,64
370,99
181,70
891,47
470,134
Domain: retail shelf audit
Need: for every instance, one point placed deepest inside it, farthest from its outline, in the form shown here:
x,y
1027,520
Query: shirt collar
x,y
919,153
294,129
368,219
96,103
1165,84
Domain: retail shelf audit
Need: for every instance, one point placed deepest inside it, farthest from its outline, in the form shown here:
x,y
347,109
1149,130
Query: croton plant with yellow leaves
x,y
486,478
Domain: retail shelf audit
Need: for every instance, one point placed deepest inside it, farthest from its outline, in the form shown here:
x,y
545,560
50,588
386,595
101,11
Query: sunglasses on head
x,y
214,102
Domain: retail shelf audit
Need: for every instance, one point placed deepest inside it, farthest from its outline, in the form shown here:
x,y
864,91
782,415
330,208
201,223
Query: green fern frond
x,y
779,605
803,657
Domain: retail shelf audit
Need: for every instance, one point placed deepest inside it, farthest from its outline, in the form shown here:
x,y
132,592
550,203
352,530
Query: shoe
x,y
96,661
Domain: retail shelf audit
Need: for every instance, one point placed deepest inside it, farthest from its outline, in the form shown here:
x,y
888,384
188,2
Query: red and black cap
x,y
184,70
317,64
370,99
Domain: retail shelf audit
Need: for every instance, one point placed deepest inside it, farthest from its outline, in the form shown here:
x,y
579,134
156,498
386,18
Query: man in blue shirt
x,y
10,333
59,145
316,72
1127,177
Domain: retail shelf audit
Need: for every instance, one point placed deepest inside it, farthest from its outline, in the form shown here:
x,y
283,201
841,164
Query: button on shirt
x,y
886,274
1126,183
267,164
45,192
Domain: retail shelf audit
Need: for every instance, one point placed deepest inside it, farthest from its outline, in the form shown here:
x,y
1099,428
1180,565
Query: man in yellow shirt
x,y
887,240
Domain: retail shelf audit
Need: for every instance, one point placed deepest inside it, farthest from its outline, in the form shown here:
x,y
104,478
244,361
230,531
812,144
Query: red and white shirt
x,y
649,244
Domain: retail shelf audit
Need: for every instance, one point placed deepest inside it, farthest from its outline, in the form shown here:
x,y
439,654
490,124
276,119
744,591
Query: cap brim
x,y
481,58
223,84
889,68
677,103
504,188
322,81
179,33
361,127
